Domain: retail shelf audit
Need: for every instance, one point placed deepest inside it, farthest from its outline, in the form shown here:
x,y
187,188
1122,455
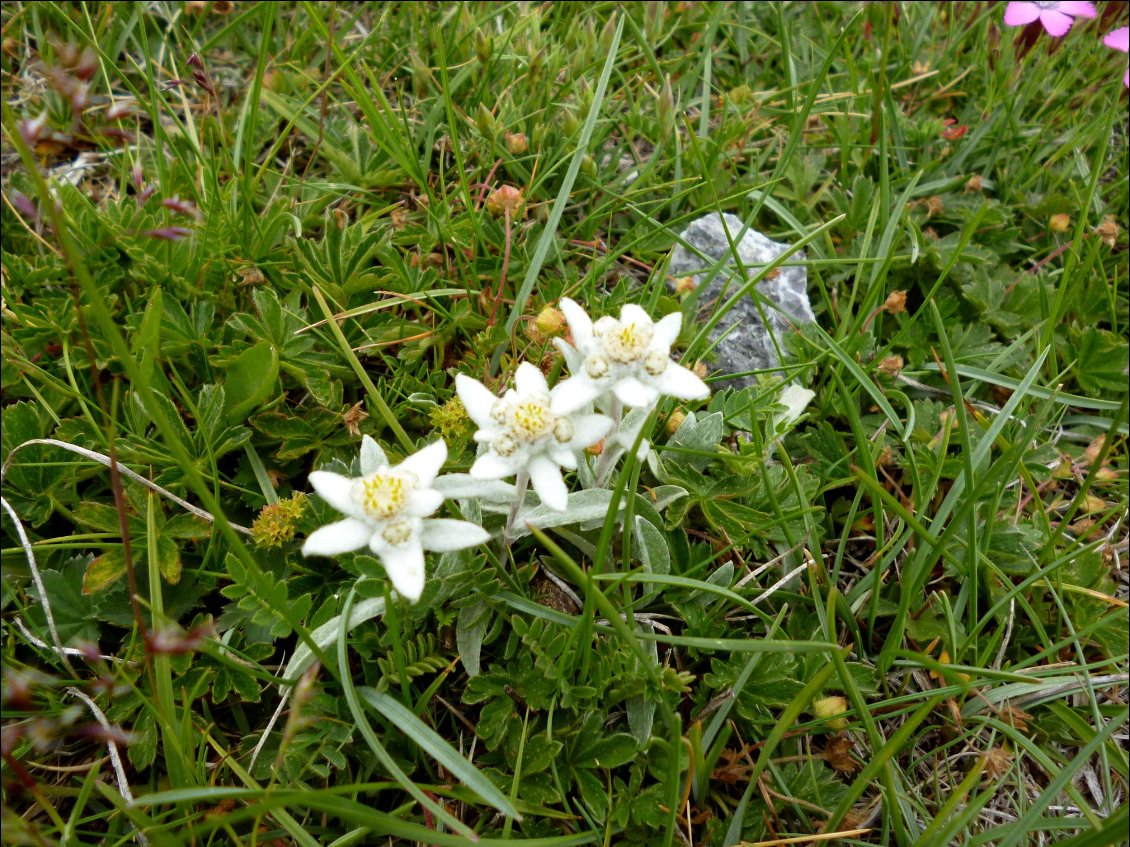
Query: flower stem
x,y
520,483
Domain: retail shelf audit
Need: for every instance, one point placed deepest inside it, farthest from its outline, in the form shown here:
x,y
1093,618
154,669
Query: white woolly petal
x,y
458,486
443,535
574,359
579,322
337,538
547,481
493,466
564,457
680,382
573,394
796,400
425,464
422,502
631,313
477,399
405,568
530,380
631,392
667,330
589,429
373,458
336,490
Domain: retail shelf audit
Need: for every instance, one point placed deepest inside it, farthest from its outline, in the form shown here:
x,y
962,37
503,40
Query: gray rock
x,y
747,344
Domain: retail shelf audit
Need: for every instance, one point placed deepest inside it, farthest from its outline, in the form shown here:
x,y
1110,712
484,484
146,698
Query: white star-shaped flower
x,y
523,435
629,358
387,509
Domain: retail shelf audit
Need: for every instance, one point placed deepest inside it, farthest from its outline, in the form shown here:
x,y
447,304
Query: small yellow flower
x,y
277,522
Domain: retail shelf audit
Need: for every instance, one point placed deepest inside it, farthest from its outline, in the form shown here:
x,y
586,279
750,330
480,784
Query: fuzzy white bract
x,y
629,359
523,433
387,509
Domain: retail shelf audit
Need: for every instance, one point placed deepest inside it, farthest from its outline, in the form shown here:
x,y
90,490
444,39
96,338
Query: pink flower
x,y
1119,39
1056,18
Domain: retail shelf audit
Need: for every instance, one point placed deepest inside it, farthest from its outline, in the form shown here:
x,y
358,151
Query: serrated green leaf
x,y
143,741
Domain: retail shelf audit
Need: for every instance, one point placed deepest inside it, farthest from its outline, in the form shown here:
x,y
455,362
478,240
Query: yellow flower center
x,y
384,494
530,419
627,342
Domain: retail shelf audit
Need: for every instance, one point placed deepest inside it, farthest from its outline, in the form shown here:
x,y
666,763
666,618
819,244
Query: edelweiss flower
x,y
387,509
523,434
629,358
1056,18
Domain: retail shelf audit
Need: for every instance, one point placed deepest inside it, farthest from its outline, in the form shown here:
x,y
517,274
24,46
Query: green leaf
x,y
250,380
143,743
97,516
186,525
73,611
594,794
168,560
615,750
324,389
470,629
653,551
1101,361
104,571
435,746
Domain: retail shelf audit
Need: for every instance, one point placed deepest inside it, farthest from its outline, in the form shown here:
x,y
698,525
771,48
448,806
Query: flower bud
x,y
484,46
831,709
570,126
740,96
604,44
1059,223
665,107
488,127
516,142
588,166
1106,475
675,420
506,199
551,322
1092,504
